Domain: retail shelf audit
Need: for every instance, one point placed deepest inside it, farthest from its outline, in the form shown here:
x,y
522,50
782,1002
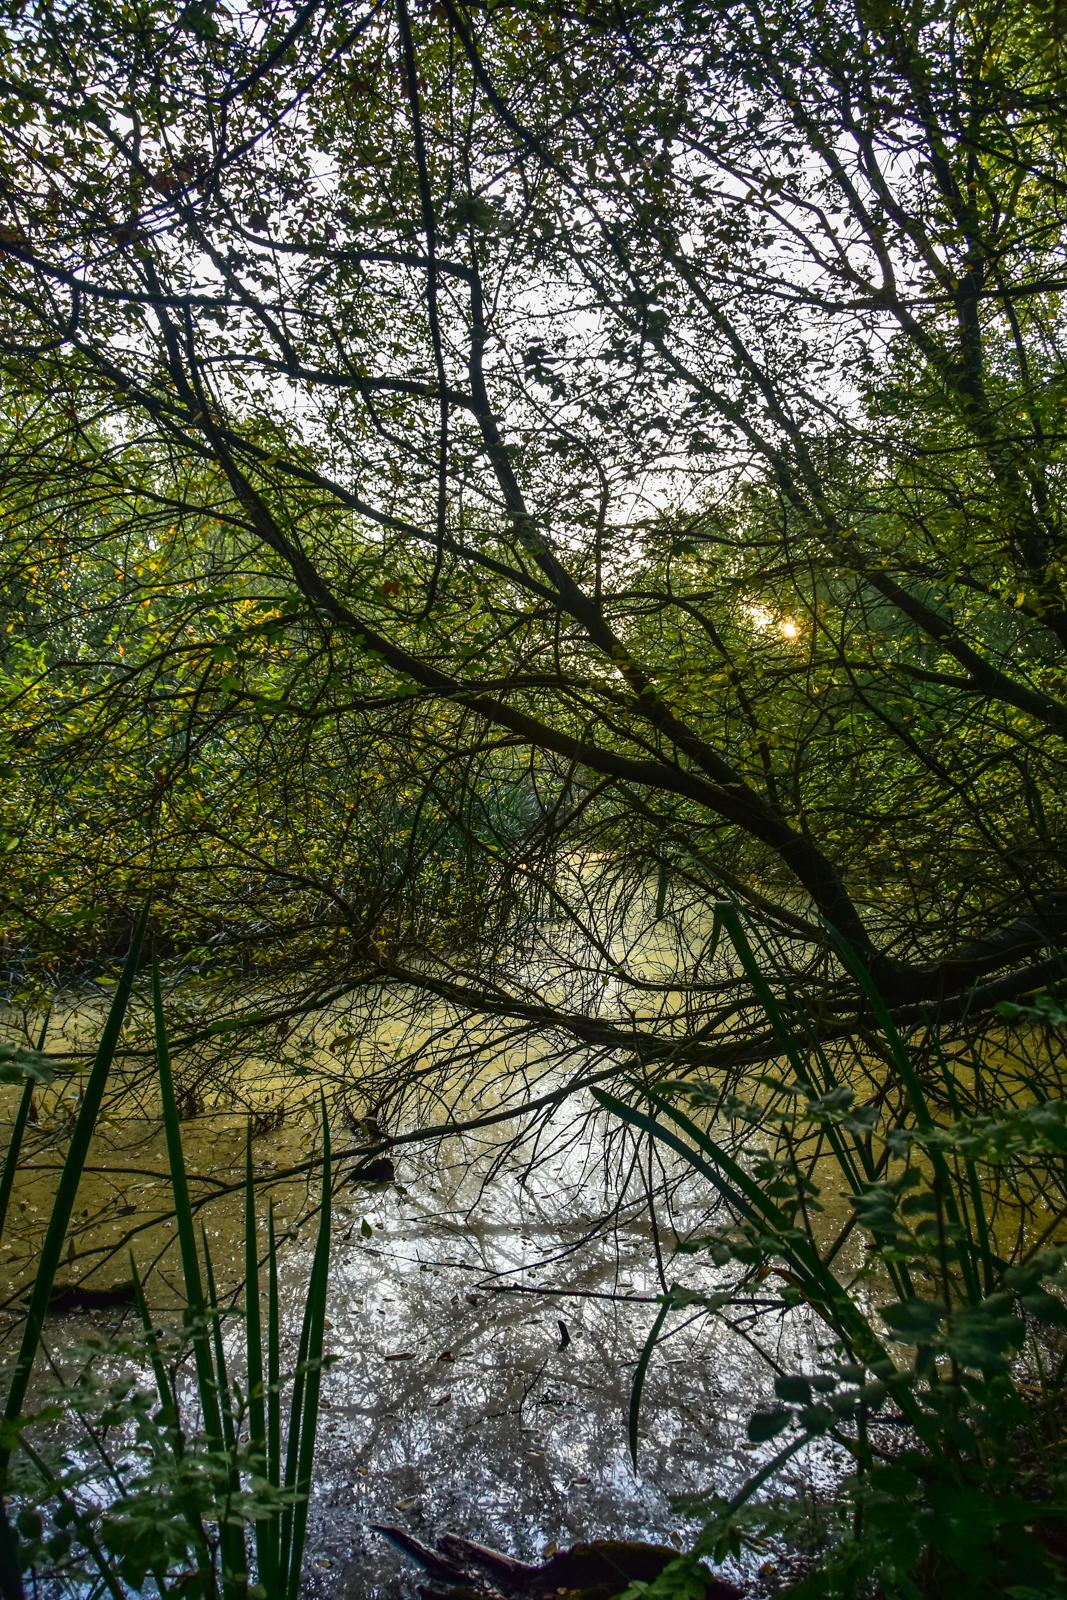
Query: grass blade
x,y
316,1319
912,1087
981,1225
901,1059
168,1417
639,1376
274,1407
215,1317
231,1539
66,1194
810,1042
292,1442
254,1338
730,918
799,1251
274,1377
747,1200
169,1414
822,1289
743,1196
266,1539
183,1212
7,1181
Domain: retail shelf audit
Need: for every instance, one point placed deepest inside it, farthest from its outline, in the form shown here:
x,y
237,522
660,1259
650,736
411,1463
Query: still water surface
x,y
456,1399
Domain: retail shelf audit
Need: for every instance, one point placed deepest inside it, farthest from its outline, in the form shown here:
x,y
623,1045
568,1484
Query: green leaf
x,y
1044,1307
914,1321
266,1527
1046,1008
11,1160
19,1062
304,1408
981,1336
764,1425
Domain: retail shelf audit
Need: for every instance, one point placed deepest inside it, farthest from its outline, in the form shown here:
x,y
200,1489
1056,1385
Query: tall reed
x,y
181,1510
957,1485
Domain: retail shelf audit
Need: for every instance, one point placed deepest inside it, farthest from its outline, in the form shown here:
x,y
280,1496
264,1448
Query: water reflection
x,y
457,1405
484,1335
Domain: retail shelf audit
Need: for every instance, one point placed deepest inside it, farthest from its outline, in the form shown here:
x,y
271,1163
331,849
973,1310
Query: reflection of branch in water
x,y
430,1037
305,1170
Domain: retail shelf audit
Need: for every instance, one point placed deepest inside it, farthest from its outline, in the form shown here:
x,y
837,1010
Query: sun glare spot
x,y
789,629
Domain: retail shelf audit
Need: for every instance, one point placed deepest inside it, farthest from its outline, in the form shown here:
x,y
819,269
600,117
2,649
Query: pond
x,y
485,1334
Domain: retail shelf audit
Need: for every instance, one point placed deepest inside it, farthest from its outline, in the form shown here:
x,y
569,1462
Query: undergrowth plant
x,y
941,1376
163,1485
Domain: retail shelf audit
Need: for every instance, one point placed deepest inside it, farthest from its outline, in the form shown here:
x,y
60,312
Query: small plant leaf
x,y
18,1062
794,1388
764,1425
914,1321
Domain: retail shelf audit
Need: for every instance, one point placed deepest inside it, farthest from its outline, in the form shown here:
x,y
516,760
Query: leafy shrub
x,y
957,1485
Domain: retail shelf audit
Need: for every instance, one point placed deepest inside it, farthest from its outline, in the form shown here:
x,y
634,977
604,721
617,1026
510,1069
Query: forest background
x,y
476,477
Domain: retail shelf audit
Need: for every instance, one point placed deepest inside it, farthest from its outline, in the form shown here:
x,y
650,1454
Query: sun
x,y
789,629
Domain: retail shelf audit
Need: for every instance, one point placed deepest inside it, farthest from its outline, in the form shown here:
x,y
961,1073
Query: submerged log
x,y
82,1297
459,1569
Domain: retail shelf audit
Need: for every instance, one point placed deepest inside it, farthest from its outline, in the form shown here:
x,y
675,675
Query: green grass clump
x,y
189,1489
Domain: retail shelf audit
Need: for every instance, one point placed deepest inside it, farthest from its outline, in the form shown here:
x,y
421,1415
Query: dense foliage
x,y
645,427
484,487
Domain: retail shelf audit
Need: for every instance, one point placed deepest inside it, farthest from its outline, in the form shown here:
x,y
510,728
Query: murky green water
x,y
454,1401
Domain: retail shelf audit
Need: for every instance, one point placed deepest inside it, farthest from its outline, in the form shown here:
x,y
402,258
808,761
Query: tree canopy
x,y
482,484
